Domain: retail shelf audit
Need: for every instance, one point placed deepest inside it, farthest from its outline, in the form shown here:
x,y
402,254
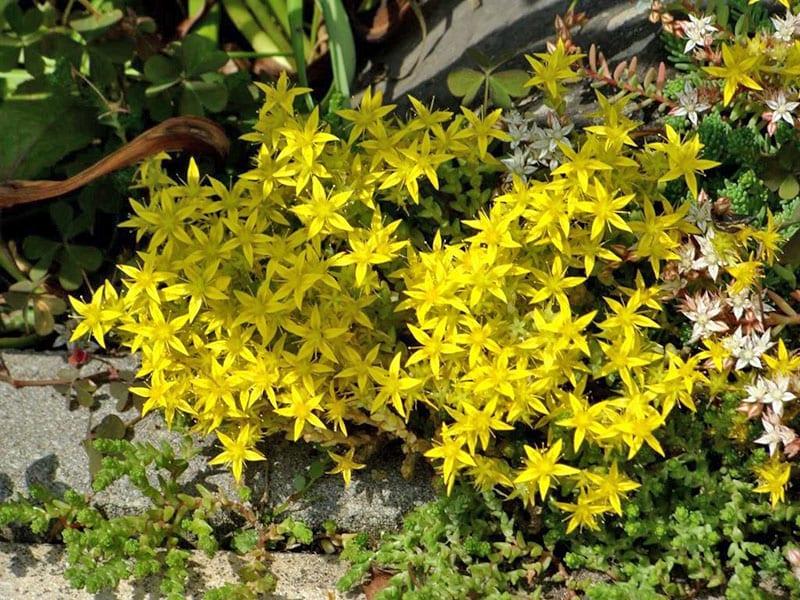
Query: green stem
x,y
24,341
245,54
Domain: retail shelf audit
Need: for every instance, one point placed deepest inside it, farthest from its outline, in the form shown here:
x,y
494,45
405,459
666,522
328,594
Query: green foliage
x,y
75,85
694,525
103,551
498,88
747,193
450,548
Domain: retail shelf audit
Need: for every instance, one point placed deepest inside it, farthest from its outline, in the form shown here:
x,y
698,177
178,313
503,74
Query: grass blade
x,y
342,46
294,9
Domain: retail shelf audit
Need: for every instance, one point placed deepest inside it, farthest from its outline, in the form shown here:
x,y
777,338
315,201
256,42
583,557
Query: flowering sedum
x,y
526,355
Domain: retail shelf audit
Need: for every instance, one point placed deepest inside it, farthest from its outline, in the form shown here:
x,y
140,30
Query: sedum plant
x,y
532,354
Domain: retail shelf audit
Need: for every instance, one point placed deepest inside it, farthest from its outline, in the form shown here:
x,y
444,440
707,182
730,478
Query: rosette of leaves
x,y
186,76
498,87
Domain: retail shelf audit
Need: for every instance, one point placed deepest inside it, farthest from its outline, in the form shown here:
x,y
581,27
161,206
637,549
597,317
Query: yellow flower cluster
x,y
288,301
763,64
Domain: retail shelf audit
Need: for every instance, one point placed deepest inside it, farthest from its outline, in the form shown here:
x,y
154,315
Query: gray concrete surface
x,y
40,442
376,500
496,27
35,572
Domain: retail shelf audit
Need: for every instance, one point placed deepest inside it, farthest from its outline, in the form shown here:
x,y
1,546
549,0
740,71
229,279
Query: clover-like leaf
x,y
200,55
465,84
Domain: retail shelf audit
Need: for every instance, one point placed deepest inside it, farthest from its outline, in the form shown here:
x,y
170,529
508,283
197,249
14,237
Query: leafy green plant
x,y
498,87
103,551
695,525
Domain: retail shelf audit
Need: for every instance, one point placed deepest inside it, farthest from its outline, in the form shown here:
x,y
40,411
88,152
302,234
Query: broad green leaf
x,y
69,275
9,53
200,55
23,22
463,82
62,215
499,95
33,61
161,69
211,95
87,258
36,247
111,427
512,82
96,22
341,44
789,188
37,133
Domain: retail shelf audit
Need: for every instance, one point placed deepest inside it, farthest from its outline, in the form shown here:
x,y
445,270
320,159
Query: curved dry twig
x,y
194,134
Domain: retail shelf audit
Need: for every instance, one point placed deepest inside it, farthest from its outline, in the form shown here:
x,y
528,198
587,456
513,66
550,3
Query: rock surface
x,y
409,65
35,572
40,441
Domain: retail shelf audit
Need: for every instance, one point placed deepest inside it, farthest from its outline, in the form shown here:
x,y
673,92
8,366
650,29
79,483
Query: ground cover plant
x,y
79,80
592,326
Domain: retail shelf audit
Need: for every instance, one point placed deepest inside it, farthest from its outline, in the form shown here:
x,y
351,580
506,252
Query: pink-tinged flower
x,y
710,259
701,310
746,348
739,303
774,433
757,392
786,27
778,393
686,254
689,105
698,32
780,110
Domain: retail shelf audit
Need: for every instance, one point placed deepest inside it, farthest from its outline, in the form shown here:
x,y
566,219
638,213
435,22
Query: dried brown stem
x,y
194,134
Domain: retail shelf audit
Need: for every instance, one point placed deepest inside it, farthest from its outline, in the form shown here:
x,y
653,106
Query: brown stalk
x,y
194,134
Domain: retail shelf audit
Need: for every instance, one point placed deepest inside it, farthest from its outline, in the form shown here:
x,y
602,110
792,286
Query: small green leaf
x,y
62,214
36,247
499,96
96,22
95,458
200,55
87,258
512,81
23,22
162,69
9,54
111,427
211,95
69,275
244,541
789,188
462,81
34,63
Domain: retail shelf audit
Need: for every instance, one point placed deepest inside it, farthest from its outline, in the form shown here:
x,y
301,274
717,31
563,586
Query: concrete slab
x,y
40,442
376,500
